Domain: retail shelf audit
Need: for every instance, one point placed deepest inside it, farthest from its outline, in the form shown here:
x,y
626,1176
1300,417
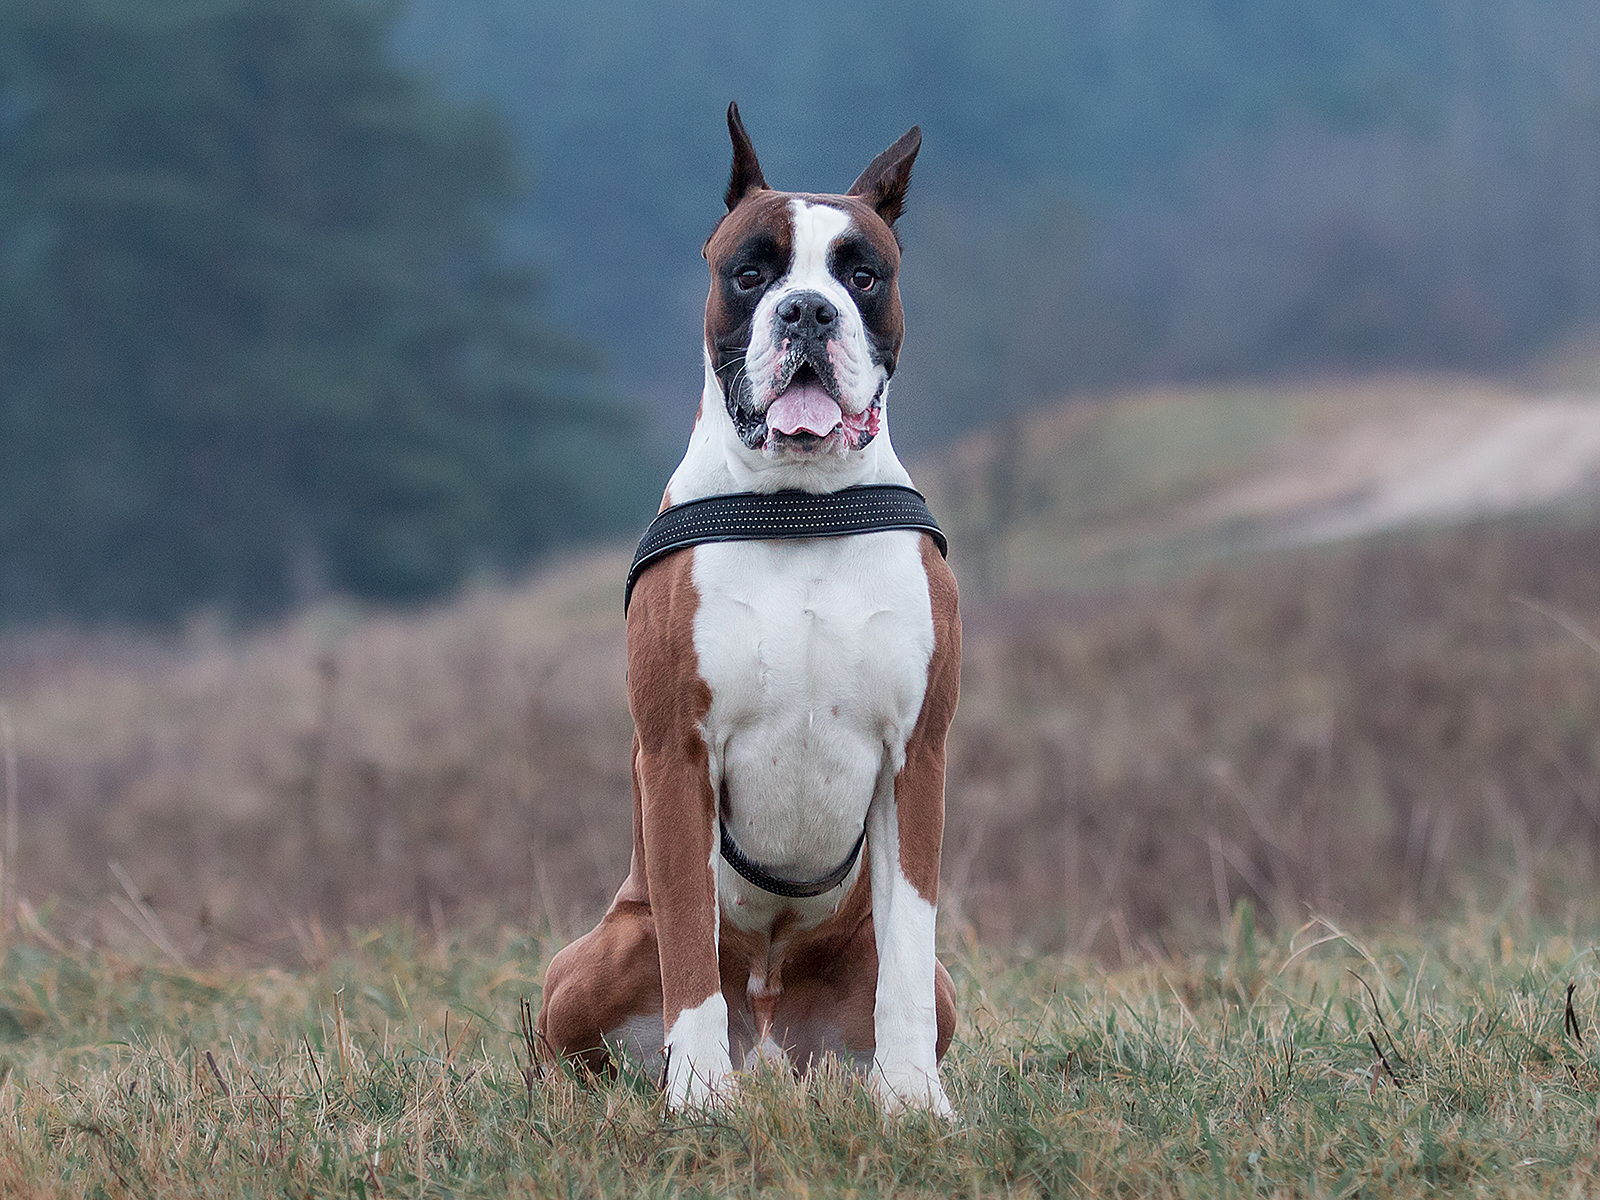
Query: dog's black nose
x,y
807,312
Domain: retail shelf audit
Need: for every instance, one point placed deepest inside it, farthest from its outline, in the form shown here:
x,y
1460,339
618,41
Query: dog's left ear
x,y
883,184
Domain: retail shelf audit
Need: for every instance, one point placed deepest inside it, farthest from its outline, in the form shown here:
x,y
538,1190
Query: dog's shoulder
x,y
665,688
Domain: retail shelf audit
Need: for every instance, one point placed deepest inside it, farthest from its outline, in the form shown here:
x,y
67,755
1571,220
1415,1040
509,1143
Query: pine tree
x,y
259,334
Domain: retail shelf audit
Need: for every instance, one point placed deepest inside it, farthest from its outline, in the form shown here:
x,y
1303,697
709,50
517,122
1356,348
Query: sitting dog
x,y
790,697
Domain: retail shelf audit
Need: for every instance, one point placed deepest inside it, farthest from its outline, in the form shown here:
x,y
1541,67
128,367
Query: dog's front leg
x,y
905,827
678,821
679,826
905,1070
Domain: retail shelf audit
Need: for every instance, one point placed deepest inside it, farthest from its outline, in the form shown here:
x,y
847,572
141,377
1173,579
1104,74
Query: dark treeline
x,y
1111,191
279,278
261,337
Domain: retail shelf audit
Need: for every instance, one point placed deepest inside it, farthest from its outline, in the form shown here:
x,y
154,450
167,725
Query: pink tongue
x,y
804,407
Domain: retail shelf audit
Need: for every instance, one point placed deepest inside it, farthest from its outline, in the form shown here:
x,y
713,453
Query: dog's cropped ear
x,y
746,176
883,184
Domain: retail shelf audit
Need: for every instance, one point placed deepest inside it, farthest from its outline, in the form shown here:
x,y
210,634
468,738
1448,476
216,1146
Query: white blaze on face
x,y
816,227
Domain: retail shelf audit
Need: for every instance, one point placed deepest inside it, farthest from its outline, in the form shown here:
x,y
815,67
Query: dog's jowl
x,y
790,695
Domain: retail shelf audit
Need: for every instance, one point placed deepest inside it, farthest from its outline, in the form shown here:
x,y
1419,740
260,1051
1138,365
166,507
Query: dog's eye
x,y
862,279
748,279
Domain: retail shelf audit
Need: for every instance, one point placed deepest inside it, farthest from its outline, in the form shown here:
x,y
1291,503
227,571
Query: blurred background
x,y
1253,363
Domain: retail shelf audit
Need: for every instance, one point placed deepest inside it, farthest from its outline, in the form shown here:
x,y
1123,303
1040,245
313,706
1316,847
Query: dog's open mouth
x,y
806,417
805,409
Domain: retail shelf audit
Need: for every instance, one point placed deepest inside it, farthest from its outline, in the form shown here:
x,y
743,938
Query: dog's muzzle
x,y
799,405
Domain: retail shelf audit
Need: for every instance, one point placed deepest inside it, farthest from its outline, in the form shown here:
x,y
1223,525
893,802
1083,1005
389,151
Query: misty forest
x,y
452,247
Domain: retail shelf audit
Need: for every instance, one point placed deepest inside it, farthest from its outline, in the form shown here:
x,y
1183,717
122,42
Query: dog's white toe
x,y
900,1089
698,1086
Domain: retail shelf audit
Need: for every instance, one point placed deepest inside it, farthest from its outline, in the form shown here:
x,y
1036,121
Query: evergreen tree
x,y
259,335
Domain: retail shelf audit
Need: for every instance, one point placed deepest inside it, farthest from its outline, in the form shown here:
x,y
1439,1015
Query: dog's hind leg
x,y
602,994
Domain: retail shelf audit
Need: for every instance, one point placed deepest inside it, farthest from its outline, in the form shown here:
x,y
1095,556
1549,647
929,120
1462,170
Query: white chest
x,y
816,654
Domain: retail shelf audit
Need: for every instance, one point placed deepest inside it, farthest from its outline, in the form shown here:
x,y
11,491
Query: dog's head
x,y
803,323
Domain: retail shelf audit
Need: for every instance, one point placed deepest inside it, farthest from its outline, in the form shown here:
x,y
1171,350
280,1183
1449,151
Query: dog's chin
x,y
805,445
854,432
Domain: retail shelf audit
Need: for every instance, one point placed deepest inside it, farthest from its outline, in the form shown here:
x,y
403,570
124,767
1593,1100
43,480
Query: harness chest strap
x,y
783,516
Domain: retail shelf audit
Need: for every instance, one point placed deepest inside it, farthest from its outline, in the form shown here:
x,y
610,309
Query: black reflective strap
x,y
777,516
794,889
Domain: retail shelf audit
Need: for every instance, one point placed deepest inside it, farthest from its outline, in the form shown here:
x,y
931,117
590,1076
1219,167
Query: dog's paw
x,y
910,1088
699,1085
699,1069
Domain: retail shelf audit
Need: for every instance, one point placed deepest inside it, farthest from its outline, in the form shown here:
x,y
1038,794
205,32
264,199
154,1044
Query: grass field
x,y
1461,1059
1168,720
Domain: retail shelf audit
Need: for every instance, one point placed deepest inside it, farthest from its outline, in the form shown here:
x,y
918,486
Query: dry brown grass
x,y
1374,729
341,769
1384,728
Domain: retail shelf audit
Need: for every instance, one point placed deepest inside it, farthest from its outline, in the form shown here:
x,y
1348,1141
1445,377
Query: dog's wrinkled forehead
x,y
769,215
761,230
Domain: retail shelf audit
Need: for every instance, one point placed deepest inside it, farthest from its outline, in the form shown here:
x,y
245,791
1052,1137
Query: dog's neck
x,y
717,461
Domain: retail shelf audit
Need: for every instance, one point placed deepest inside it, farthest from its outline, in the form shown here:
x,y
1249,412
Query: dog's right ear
x,y
746,176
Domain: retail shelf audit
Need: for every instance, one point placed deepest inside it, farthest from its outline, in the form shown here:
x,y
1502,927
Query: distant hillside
x,y
1091,495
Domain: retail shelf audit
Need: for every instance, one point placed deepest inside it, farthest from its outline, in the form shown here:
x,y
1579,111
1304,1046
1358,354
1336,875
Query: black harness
x,y
782,516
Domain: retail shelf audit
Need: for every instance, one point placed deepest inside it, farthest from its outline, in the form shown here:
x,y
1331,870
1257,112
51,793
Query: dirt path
x,y
1439,463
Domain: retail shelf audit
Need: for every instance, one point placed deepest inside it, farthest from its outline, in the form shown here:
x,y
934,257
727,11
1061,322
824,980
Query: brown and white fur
x,y
800,689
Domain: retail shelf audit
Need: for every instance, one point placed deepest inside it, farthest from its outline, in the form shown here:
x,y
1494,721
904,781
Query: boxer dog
x,y
788,697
